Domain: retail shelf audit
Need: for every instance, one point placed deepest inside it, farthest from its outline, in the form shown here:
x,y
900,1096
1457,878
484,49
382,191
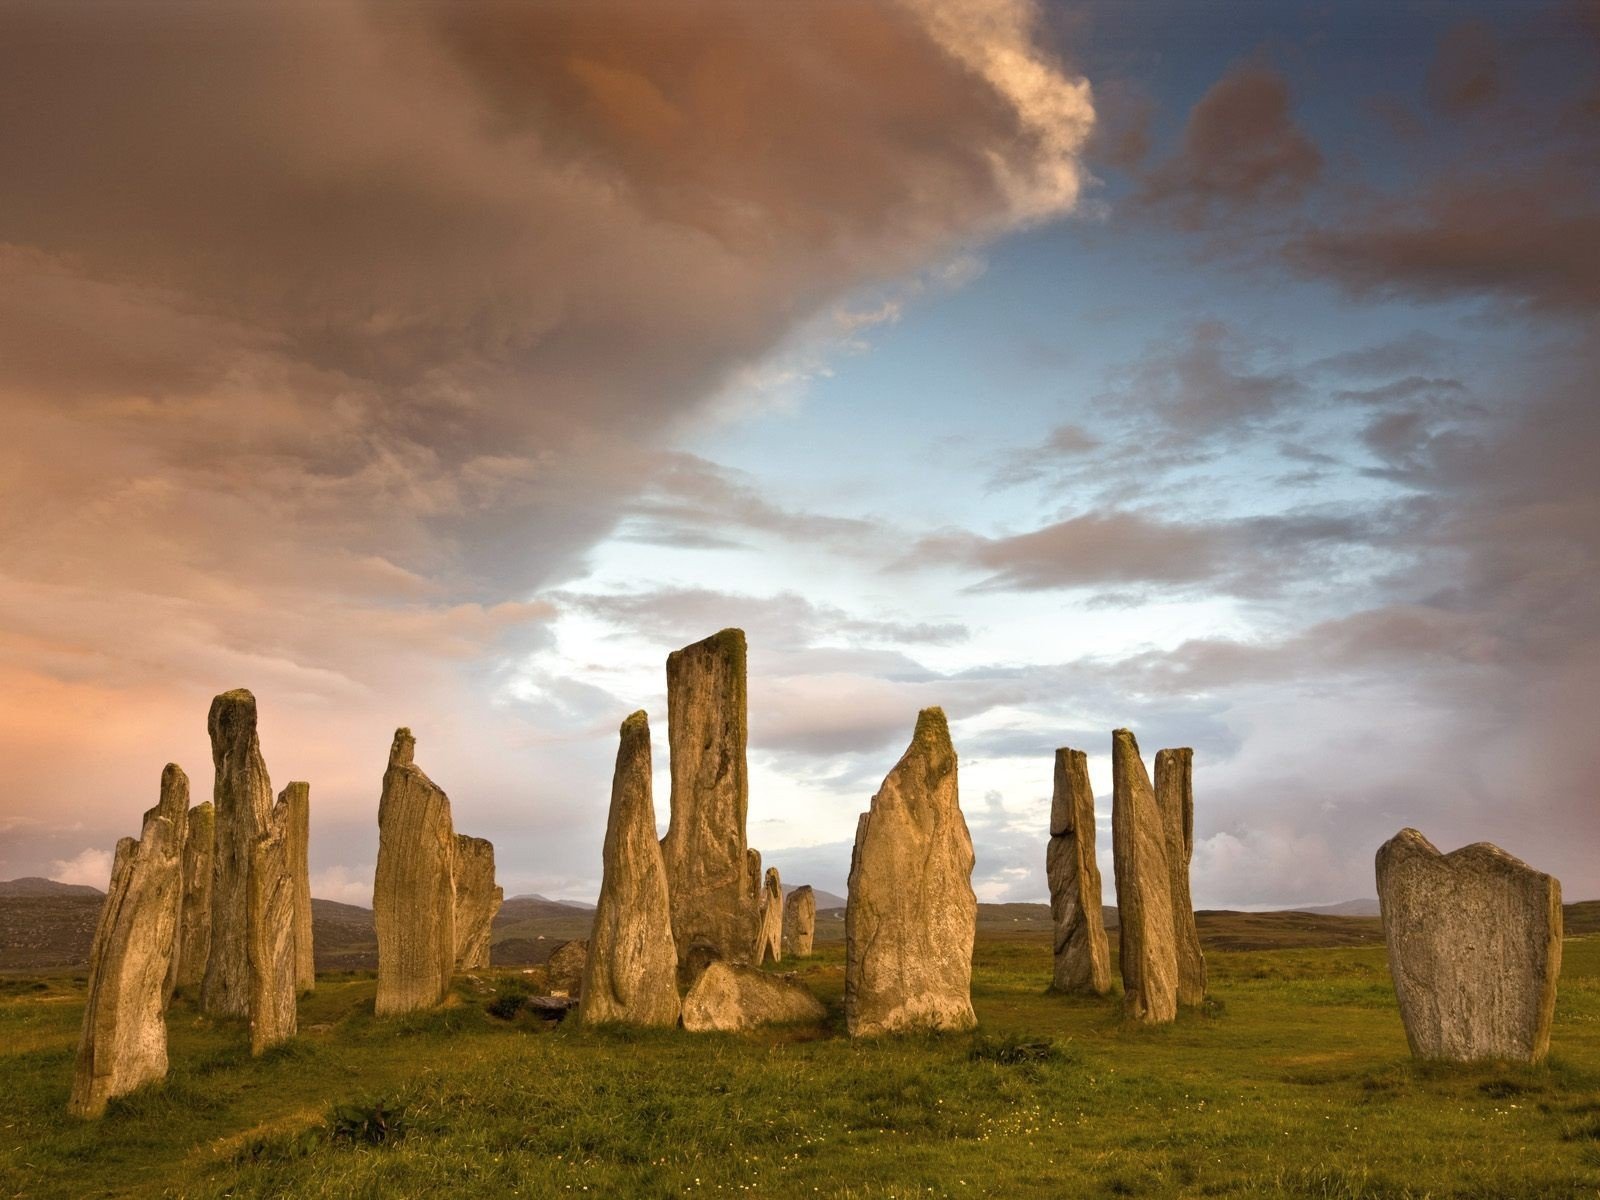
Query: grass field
x,y
1294,1082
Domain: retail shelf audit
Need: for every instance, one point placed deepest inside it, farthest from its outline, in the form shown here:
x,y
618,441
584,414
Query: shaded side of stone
x,y
1174,787
272,950
1082,954
800,921
729,997
1148,955
477,901
299,795
192,943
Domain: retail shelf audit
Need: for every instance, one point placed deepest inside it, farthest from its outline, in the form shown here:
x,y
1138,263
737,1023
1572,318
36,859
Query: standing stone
x,y
1082,956
1144,888
192,943
271,931
769,941
243,798
1175,801
124,1039
567,964
299,795
1474,940
413,895
714,890
911,914
800,921
631,972
477,901
729,997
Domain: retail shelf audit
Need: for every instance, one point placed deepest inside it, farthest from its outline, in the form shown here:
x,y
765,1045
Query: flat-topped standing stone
x,y
192,943
271,938
299,832
729,997
123,1042
800,921
709,877
1474,940
243,798
630,974
769,941
413,895
477,901
1082,956
1144,888
911,915
1174,790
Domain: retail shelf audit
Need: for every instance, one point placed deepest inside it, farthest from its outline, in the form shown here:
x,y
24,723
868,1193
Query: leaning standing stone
x,y
1144,888
274,975
1474,940
800,921
630,974
769,942
192,943
299,830
478,900
413,895
1175,799
1082,956
124,1039
911,914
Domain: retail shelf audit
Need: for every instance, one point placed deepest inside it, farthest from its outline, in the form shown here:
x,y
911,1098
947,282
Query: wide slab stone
x,y
729,997
800,921
1082,954
1149,956
1474,939
271,932
478,900
769,940
123,1041
1174,787
299,830
192,943
566,966
911,915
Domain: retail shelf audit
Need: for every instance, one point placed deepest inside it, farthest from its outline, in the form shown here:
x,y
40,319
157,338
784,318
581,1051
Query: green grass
x,y
1294,1082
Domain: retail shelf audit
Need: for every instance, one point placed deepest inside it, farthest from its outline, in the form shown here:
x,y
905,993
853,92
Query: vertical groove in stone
x,y
1082,954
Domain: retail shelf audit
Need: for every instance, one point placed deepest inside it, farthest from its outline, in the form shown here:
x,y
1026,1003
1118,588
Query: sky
x,y
1224,371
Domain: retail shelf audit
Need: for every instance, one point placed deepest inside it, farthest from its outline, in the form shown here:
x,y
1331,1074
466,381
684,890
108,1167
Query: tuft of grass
x,y
370,1123
1010,1049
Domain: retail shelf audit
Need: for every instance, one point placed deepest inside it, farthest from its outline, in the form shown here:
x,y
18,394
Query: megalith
x,y
800,921
1149,956
478,900
272,928
123,1042
413,895
729,997
630,974
1174,787
911,914
715,893
566,966
1474,939
242,797
299,851
769,941
192,942
1082,955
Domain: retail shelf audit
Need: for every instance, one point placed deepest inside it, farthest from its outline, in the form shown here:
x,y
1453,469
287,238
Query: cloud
x,y
88,866
1465,74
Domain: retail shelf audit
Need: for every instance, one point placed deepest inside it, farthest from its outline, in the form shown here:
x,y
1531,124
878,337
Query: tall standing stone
x,y
631,973
299,795
243,800
769,941
413,896
123,1042
192,943
1082,956
1144,888
800,921
1474,940
715,912
271,930
478,900
1175,799
911,914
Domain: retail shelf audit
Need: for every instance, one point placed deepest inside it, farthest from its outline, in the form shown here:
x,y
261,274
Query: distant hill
x,y
824,899
1349,908
33,885
547,900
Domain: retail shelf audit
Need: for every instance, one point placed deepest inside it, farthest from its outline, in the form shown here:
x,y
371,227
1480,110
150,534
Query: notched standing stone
x,y
478,900
1082,955
192,942
1175,799
1148,955
800,921
912,915
272,938
123,1042
630,974
299,830
1474,939
769,942
413,898
243,799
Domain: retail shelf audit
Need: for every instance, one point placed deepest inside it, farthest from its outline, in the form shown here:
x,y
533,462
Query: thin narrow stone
x,y
1082,955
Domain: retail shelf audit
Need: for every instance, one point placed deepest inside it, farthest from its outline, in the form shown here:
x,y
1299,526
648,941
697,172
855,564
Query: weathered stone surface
x,y
714,890
124,1039
243,799
477,901
299,831
769,940
911,914
1174,788
1474,940
1082,955
631,972
729,997
413,895
271,933
800,921
192,943
1149,956
567,964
